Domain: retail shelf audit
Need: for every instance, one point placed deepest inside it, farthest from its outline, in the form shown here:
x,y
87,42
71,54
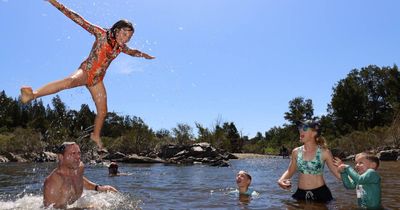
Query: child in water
x,y
108,44
366,180
243,181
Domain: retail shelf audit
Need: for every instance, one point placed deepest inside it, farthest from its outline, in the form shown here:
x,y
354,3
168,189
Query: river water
x,y
159,186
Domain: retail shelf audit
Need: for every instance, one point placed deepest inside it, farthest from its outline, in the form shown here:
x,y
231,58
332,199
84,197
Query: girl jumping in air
x,y
108,44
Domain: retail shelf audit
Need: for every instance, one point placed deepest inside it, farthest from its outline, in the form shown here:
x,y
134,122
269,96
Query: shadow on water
x,y
158,186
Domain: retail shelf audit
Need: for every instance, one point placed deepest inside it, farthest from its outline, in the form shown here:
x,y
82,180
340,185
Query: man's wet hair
x,y
61,149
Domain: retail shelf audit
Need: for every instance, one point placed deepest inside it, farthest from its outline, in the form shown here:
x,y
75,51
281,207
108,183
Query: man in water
x,y
65,184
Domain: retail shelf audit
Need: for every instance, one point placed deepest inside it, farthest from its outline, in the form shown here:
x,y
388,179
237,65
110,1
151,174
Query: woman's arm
x,y
135,53
327,155
93,29
282,182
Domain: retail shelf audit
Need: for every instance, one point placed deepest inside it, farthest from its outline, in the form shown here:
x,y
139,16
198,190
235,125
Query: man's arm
x,y
92,186
91,28
135,53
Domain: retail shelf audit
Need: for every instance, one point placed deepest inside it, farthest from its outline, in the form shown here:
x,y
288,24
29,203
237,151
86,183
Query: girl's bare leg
x,y
99,96
78,78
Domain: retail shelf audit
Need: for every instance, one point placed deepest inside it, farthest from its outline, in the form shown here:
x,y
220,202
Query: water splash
x,y
89,200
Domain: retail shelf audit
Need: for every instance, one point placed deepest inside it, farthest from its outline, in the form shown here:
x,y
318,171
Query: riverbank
x,y
254,156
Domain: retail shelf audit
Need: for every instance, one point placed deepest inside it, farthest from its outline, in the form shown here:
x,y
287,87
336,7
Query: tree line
x,y
361,114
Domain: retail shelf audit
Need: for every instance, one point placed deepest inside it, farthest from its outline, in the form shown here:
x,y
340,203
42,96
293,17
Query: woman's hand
x,y
285,184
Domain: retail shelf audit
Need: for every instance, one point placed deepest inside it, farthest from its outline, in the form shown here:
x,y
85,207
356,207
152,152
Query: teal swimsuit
x,y
314,166
367,185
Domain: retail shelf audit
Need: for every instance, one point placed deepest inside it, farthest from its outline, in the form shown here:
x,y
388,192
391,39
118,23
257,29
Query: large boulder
x,y
15,158
140,159
115,156
388,154
3,159
168,151
197,153
46,157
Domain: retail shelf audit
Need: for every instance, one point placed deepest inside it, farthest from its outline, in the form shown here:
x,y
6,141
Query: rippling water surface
x,y
159,186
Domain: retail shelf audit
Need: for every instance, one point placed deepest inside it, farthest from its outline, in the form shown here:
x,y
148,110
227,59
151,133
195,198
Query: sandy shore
x,y
253,155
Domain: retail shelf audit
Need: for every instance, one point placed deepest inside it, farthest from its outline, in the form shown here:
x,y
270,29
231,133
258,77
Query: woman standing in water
x,y
309,159
108,44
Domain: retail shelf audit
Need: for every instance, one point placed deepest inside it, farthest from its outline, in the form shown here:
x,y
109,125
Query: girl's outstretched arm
x,y
93,29
136,53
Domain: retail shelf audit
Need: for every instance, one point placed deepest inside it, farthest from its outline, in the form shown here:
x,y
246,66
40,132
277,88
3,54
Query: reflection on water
x,y
159,186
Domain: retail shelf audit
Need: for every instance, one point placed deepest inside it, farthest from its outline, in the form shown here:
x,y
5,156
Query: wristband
x,y
97,187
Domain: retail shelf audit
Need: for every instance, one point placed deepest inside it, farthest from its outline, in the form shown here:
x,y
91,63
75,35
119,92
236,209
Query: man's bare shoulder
x,y
54,178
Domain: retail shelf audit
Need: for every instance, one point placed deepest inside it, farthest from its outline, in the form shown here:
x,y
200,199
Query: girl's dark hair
x,y
121,24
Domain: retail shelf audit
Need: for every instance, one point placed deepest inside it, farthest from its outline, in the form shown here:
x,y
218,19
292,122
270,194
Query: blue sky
x,y
227,60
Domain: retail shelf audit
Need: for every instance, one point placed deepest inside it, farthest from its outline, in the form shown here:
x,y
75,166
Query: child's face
x,y
242,180
123,35
363,164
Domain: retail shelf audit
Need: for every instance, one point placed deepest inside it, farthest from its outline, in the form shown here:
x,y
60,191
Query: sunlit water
x,y
158,186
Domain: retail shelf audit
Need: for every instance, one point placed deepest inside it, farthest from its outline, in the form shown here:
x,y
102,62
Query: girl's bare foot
x,y
97,140
26,94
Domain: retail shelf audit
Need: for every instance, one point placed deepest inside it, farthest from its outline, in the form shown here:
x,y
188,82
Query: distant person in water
x,y
65,184
309,159
364,179
108,44
113,170
284,152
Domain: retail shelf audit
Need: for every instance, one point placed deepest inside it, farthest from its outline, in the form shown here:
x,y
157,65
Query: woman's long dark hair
x,y
121,24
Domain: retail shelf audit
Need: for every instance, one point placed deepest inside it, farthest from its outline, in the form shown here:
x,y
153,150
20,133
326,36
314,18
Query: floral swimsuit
x,y
104,49
314,166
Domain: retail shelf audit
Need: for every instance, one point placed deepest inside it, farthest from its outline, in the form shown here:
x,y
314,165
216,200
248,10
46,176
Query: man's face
x,y
242,180
72,156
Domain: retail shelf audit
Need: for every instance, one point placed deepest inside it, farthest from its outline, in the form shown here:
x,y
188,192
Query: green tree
x,y
204,134
235,143
183,133
38,116
299,109
365,98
